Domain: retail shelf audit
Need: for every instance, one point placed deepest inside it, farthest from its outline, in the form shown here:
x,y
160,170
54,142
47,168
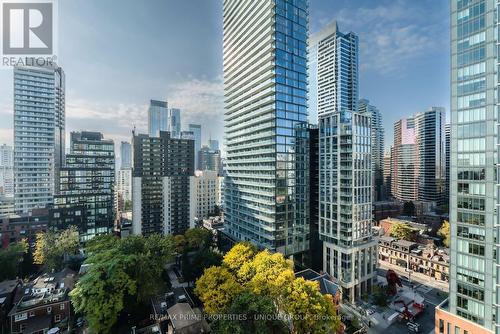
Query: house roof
x,y
326,283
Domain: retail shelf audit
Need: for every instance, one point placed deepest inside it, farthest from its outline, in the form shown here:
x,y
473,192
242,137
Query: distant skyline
x,y
117,58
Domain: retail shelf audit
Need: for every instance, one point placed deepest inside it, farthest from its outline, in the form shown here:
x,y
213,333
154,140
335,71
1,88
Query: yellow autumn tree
x,y
444,232
240,254
270,275
311,311
217,288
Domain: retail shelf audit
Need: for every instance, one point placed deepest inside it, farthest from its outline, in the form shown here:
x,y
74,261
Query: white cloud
x,y
392,33
200,101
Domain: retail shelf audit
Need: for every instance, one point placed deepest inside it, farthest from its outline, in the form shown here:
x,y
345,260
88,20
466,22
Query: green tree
x,y
193,266
444,232
53,249
403,231
11,258
46,252
257,314
380,295
123,275
197,238
101,293
180,244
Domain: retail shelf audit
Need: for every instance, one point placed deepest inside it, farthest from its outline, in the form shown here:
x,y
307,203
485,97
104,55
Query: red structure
x,y
392,282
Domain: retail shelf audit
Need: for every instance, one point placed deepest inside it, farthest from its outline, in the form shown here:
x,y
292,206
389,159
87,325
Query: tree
x,y
257,314
380,295
312,311
217,288
444,232
53,249
240,253
269,275
193,267
100,294
198,238
403,231
68,242
46,252
123,275
409,209
180,243
10,259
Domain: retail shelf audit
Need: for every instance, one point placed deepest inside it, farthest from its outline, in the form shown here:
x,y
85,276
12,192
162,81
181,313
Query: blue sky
x,y
118,55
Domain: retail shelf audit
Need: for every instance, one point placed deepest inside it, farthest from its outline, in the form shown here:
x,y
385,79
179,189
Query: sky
x,y
117,55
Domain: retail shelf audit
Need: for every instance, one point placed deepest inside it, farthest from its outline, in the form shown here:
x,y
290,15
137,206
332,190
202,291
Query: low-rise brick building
x,y
414,256
43,303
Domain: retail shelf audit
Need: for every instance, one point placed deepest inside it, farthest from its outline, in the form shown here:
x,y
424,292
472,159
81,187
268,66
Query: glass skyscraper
x,y
377,131
196,130
345,165
473,304
39,123
174,122
157,117
265,83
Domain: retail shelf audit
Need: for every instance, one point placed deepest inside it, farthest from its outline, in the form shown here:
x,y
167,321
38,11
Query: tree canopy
x,y
245,272
403,231
444,232
52,249
123,273
10,259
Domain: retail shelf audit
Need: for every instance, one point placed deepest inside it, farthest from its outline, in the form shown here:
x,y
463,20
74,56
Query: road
x,y
433,295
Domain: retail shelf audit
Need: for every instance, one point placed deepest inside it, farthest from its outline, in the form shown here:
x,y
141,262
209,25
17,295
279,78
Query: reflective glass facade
x,y
157,117
86,196
345,166
265,82
473,176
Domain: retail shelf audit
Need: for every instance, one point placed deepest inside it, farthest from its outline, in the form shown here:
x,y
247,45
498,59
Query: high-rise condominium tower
x,y
404,161
174,122
419,157
161,176
6,171
473,304
377,140
265,83
87,182
125,155
39,122
196,130
430,142
345,169
157,117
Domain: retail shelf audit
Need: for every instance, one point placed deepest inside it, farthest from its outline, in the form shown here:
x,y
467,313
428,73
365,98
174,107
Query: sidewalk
x,y
416,277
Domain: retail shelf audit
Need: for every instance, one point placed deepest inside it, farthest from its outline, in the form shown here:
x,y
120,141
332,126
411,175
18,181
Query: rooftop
x,y
7,287
326,283
45,289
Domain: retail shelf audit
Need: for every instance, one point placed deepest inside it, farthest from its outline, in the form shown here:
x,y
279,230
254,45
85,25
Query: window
x,y
457,330
32,313
20,316
49,310
57,318
61,307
